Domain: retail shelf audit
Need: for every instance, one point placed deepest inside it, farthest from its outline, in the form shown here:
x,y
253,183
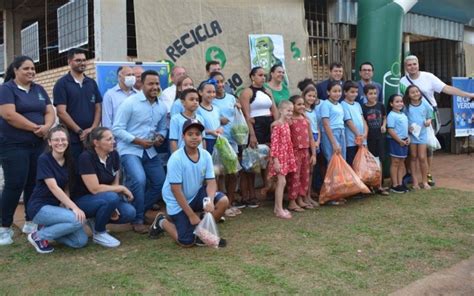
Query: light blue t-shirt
x,y
313,119
419,114
334,112
353,112
226,107
176,128
398,121
176,107
191,175
317,109
212,120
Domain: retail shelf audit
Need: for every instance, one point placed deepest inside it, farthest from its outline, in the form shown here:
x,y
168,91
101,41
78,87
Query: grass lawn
x,y
372,246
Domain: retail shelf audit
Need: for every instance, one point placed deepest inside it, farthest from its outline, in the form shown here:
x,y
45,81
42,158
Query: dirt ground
x,y
454,171
456,280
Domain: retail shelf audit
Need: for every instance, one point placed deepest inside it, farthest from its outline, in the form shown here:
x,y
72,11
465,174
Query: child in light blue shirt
x,y
183,192
356,127
190,99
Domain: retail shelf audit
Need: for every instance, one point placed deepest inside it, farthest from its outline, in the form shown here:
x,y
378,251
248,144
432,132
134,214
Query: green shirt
x,y
279,95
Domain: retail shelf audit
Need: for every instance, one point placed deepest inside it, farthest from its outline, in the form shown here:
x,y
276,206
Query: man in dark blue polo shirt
x,y
366,72
78,101
336,72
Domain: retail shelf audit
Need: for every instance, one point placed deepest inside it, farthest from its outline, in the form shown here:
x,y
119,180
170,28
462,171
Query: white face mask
x,y
129,81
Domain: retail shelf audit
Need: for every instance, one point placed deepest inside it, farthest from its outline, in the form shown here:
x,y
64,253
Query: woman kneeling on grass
x,y
99,192
62,224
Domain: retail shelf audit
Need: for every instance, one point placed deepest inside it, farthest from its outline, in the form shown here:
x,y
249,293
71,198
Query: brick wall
x,y
47,79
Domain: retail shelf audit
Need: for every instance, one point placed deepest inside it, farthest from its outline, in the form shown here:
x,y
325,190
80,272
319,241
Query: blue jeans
x,y
144,177
101,206
340,138
19,171
60,224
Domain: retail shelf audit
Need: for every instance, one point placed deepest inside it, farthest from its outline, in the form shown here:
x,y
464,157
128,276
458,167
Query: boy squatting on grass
x,y
184,193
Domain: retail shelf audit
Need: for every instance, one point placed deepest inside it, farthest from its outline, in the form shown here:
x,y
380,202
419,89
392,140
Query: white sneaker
x,y
106,240
6,235
29,227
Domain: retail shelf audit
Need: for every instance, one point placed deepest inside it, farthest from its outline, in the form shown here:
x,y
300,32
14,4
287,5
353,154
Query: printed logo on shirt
x,y
41,97
93,99
114,173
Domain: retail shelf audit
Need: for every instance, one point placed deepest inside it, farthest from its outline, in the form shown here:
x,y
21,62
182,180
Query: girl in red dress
x,y
302,140
282,158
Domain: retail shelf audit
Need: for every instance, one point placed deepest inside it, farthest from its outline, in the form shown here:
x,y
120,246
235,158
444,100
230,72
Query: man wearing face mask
x,y
117,94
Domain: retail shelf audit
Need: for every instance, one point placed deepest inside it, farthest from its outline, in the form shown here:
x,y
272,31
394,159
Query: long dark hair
x,y
96,134
272,69
16,64
390,101
406,96
309,88
69,159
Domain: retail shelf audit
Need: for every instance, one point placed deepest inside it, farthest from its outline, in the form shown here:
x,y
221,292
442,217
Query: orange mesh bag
x,y
367,168
340,181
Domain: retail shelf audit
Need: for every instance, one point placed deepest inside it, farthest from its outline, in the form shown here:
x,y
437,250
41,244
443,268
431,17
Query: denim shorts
x,y
184,227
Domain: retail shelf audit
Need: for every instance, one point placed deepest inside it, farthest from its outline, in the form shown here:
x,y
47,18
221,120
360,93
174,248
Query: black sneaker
x,y
41,245
238,204
252,204
155,229
200,243
397,189
404,188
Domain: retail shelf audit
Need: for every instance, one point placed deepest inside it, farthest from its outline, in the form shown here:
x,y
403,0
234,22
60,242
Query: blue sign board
x,y
106,73
463,109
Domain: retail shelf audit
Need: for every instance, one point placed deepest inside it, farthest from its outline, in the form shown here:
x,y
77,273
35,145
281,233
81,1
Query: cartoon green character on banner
x,y
264,53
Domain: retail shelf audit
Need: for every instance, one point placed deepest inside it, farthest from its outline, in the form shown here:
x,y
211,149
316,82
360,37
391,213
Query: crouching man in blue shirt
x,y
184,189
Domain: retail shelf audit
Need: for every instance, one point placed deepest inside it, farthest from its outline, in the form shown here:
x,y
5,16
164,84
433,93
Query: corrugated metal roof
x,y
433,27
345,11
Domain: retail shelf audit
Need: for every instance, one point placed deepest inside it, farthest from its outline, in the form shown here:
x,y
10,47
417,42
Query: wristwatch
x,y
80,131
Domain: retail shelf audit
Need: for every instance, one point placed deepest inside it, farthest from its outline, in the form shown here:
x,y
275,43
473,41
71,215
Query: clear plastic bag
x,y
251,160
264,153
341,181
218,166
206,230
227,155
433,142
239,129
367,168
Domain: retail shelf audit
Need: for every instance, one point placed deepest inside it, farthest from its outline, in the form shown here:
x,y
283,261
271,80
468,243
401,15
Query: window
x,y
73,24
30,42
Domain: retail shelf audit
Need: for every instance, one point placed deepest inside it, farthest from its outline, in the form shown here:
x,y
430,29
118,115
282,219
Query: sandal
x,y
426,186
296,209
283,215
229,213
236,211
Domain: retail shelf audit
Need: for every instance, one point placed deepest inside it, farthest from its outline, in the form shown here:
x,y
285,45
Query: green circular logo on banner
x,y
215,53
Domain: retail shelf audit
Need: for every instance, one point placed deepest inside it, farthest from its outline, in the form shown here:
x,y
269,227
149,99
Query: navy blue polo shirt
x,y
31,104
48,168
89,163
80,100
